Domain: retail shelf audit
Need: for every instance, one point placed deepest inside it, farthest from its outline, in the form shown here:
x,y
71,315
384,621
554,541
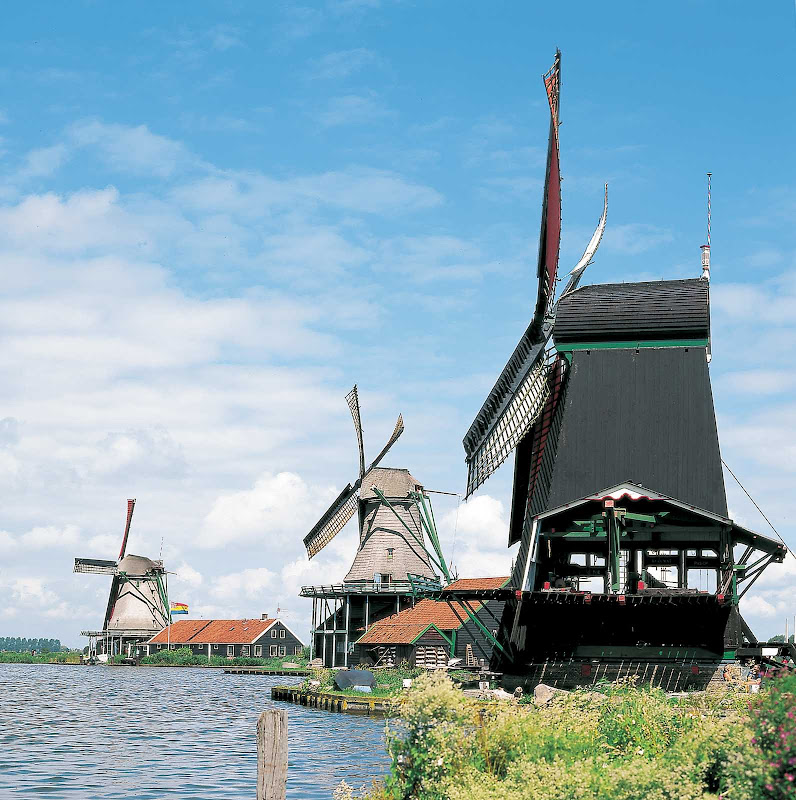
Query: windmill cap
x,y
391,482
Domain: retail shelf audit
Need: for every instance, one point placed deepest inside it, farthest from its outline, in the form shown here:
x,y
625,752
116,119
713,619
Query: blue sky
x,y
216,217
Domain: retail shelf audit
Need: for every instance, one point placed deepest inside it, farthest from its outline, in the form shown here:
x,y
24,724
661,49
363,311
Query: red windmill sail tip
x,y
130,508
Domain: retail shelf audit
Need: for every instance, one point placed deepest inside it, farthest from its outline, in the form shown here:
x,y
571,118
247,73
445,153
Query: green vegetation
x,y
15,644
389,681
184,657
64,657
621,744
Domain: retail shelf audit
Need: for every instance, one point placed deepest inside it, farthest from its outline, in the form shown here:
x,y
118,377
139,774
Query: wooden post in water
x,y
272,755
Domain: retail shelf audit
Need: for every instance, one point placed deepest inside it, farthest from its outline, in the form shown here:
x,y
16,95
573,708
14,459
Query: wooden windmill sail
x,y
137,602
529,381
391,537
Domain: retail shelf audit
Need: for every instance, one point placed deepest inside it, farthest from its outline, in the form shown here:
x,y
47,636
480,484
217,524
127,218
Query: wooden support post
x,y
347,626
272,755
367,612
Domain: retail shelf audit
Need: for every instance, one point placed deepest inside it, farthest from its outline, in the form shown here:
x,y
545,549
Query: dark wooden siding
x,y
471,634
644,416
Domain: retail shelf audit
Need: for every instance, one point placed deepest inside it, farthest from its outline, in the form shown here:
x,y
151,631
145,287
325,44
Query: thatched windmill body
x,y
138,604
396,557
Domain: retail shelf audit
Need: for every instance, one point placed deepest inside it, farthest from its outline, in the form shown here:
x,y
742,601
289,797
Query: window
x,y
282,634
390,551
245,650
273,633
299,649
282,650
230,650
258,649
215,647
274,650
159,646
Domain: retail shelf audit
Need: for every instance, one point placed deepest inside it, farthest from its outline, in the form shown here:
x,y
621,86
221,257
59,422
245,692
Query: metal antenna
x,y
706,247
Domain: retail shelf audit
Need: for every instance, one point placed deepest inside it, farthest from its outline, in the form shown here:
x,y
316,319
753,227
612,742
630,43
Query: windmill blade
x,y
397,431
588,254
334,520
352,398
95,566
115,584
550,229
511,409
130,508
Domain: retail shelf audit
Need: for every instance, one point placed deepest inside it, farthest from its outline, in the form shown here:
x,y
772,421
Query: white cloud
x,y
48,537
248,584
276,509
188,575
756,606
481,536
7,542
132,149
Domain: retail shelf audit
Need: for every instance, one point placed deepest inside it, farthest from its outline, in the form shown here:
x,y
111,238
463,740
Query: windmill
x,y
138,600
617,479
392,561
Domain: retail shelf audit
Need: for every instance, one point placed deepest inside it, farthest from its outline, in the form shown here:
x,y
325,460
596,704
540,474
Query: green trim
x,y
568,347
432,625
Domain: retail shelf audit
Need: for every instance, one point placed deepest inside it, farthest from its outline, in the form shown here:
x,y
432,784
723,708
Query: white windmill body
x,y
137,606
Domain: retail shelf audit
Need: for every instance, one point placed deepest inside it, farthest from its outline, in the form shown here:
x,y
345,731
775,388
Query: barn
x,y
229,638
434,631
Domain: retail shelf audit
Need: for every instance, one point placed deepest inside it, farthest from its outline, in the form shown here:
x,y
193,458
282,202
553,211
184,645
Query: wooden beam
x,y
272,755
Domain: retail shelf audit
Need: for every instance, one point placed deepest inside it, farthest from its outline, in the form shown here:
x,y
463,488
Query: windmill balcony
x,y
363,587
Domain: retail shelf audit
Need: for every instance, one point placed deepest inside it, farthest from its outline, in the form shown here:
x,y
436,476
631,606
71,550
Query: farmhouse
x,y
230,638
433,631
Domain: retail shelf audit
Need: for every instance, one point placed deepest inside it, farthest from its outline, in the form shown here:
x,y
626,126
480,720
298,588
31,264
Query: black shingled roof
x,y
652,310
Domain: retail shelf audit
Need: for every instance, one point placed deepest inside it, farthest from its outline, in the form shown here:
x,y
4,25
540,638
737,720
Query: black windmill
x,y
627,558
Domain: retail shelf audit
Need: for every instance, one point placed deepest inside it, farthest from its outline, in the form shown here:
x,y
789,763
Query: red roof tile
x,y
213,631
464,584
404,627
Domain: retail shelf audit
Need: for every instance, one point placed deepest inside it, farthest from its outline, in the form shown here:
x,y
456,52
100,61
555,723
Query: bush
x,y
773,716
623,744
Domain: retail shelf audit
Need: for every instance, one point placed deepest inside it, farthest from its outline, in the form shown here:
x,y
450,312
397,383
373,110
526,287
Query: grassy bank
x,y
72,657
624,744
183,657
389,682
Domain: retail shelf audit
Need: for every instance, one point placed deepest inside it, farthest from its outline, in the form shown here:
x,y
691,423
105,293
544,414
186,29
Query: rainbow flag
x,y
179,608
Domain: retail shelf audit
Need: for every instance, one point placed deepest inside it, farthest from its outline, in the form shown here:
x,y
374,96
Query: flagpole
x,y
168,603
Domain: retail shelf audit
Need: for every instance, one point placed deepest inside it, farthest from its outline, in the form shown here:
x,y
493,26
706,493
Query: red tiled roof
x,y
404,627
463,584
213,631
397,633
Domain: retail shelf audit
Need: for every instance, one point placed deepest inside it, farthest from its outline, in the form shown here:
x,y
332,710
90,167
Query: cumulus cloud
x,y
276,509
50,537
481,537
248,584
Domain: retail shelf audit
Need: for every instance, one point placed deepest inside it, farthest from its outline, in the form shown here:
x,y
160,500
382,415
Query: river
x,y
147,733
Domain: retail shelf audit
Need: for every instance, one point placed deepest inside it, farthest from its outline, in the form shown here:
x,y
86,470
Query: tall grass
x,y
624,744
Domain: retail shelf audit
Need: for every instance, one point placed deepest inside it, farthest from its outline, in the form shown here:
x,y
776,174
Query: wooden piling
x,y
272,755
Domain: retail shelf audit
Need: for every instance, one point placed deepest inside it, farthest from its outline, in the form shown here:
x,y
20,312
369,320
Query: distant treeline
x,y
16,644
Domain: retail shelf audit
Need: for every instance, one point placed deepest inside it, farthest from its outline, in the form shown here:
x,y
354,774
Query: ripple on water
x,y
152,733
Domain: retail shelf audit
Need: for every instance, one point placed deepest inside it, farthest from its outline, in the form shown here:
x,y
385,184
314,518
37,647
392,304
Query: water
x,y
143,733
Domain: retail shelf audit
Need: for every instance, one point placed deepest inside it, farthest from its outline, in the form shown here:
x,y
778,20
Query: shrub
x,y
773,716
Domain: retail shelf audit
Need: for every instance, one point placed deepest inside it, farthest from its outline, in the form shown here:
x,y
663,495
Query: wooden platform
x,y
265,671
329,701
